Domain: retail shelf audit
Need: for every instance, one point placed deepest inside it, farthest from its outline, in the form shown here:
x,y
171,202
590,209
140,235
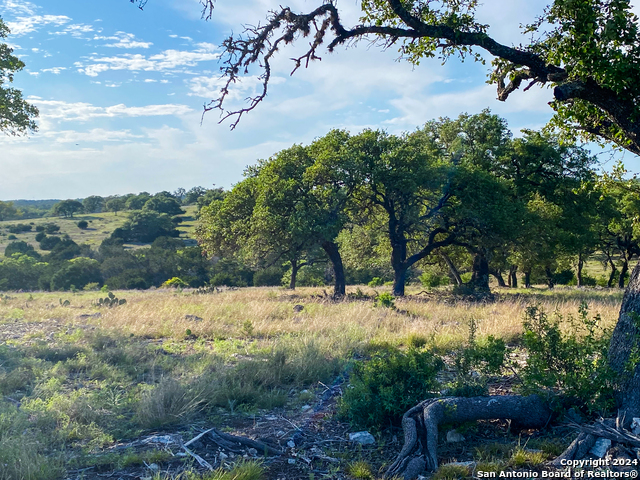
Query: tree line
x,y
455,195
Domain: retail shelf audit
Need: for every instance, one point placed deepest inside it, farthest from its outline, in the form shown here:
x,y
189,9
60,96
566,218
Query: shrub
x,y
384,387
571,365
83,224
385,300
269,277
431,280
175,282
40,228
19,228
21,247
376,282
40,236
166,404
12,237
51,228
49,243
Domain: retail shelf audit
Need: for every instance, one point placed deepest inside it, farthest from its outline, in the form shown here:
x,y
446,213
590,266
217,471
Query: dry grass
x,y
265,315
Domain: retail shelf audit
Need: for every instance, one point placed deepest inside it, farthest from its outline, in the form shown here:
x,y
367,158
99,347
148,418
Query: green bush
x,y
40,236
384,387
175,282
268,277
376,282
431,280
51,228
573,365
385,300
83,224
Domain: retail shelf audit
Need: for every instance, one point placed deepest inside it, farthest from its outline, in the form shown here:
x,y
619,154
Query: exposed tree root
x,y
420,425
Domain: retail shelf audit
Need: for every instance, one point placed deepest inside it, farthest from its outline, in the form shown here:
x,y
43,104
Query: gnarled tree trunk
x,y
498,275
420,425
480,272
513,278
624,349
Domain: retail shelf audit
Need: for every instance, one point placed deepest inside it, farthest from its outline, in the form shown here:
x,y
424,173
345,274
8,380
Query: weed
x,y
167,404
526,458
451,472
385,300
360,470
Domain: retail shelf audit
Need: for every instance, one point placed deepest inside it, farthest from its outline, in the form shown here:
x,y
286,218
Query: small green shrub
x,y
384,387
385,300
360,470
572,365
90,287
431,280
451,472
12,237
40,236
175,282
166,404
376,282
83,224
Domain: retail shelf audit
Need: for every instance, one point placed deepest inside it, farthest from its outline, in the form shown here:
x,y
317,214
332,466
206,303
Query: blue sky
x,y
121,90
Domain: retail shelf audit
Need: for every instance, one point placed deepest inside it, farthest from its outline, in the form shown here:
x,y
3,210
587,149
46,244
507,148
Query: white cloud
x,y
54,70
80,111
149,80
76,30
166,61
19,8
124,40
24,25
96,135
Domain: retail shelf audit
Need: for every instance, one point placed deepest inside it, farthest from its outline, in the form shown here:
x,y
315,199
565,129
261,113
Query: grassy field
x,y
86,390
101,225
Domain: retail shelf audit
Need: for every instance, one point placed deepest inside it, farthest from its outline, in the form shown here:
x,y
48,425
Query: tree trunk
x,y
294,274
579,273
549,274
480,273
333,253
455,275
623,271
623,352
420,425
513,278
399,279
527,279
614,270
498,275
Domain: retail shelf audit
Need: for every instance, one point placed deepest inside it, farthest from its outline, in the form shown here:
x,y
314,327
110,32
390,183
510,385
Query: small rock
x,y
252,451
601,447
298,308
271,418
306,408
223,456
635,426
193,318
291,444
462,464
291,461
153,467
454,437
363,438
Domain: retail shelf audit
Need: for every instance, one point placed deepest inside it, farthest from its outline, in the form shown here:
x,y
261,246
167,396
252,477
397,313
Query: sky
x,y
121,92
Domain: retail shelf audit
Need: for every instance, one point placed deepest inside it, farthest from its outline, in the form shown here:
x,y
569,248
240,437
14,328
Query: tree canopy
x,y
17,116
586,50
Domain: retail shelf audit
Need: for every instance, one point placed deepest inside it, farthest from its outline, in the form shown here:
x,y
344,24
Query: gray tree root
x,y
420,425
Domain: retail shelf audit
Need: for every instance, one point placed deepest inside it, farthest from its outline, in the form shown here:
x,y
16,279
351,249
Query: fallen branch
x,y
226,438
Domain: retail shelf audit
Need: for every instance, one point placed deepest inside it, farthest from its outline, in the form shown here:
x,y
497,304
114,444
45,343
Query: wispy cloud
x,y
23,25
54,70
96,135
123,40
76,30
19,8
80,111
166,61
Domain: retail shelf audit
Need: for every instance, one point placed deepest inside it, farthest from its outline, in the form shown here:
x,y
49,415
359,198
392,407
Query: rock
x,y
271,418
635,426
291,461
291,444
223,456
454,437
298,308
306,408
193,318
153,467
252,451
468,464
363,438
601,447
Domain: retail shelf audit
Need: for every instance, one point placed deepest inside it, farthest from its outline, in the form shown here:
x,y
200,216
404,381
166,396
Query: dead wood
x,y
420,425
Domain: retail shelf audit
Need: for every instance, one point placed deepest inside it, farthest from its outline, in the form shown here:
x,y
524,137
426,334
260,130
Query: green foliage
x,y
51,228
49,243
83,224
18,116
376,282
360,470
572,365
110,301
431,280
21,247
383,388
67,208
40,236
175,282
19,228
385,300
271,276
